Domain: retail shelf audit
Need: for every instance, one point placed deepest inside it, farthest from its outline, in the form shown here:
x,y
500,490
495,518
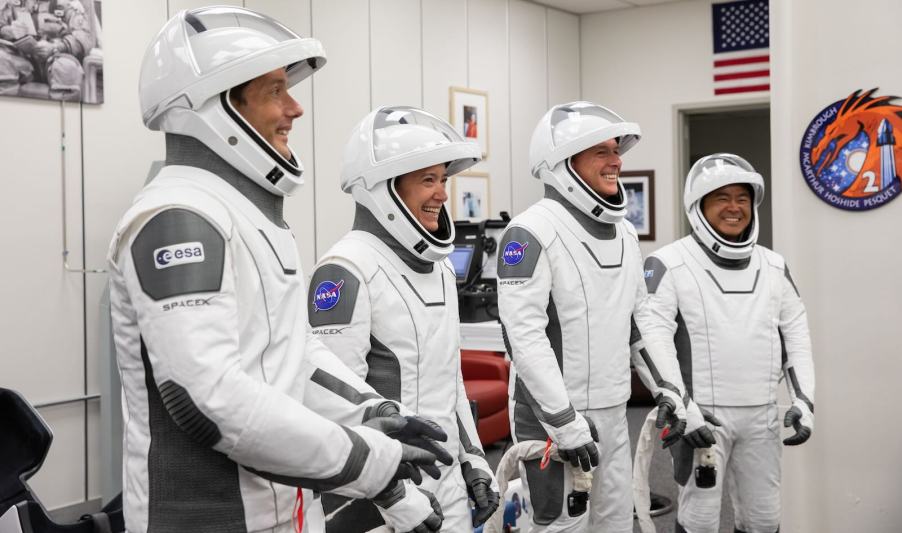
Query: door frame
x,y
681,114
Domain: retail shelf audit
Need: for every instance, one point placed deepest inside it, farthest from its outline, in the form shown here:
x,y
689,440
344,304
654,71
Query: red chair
x,y
485,380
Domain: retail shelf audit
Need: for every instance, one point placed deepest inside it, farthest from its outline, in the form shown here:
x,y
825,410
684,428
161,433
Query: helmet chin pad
x,y
391,212
575,190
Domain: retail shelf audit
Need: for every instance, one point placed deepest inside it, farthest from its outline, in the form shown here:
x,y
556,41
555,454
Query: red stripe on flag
x,y
742,61
744,89
741,75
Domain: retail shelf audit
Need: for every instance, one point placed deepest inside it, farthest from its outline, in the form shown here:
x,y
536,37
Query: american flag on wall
x,y
741,32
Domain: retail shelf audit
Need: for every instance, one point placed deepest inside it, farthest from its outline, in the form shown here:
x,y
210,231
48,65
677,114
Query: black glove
x,y
585,455
394,504
794,418
479,488
698,434
412,461
667,415
411,430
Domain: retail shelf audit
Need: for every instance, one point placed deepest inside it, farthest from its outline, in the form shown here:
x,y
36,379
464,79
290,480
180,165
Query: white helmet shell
x,y
393,141
201,54
567,130
709,174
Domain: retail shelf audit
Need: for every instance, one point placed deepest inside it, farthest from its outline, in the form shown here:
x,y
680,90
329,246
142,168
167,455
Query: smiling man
x,y
570,295
395,320
730,312
231,404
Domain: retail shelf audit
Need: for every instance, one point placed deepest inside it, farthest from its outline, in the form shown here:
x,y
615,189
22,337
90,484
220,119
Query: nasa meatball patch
x,y
333,296
178,252
518,253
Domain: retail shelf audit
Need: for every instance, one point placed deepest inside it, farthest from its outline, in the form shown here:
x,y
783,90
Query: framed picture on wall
x,y
36,62
640,201
470,116
470,196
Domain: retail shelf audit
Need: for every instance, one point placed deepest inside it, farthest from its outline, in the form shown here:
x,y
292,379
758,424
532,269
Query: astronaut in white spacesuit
x,y
384,298
223,388
731,314
571,299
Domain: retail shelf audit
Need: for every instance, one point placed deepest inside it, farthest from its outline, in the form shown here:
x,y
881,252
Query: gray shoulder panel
x,y
178,252
654,273
332,295
518,253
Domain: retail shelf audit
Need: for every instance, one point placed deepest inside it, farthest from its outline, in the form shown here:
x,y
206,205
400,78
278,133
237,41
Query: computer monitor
x,y
461,258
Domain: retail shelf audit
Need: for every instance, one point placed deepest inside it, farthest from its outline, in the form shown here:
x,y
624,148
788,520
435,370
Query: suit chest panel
x,y
414,314
731,314
597,276
269,289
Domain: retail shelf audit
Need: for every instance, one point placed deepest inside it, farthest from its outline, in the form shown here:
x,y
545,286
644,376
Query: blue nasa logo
x,y
849,152
514,252
327,294
649,274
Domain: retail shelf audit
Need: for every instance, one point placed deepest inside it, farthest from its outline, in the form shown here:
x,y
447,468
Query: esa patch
x,y
178,254
194,264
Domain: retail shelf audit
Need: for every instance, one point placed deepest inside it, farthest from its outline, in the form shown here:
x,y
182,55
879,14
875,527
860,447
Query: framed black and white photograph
x,y
52,55
470,196
470,116
640,201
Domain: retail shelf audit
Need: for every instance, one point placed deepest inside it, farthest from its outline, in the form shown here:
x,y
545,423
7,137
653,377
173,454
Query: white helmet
x,y
709,174
390,142
567,130
201,54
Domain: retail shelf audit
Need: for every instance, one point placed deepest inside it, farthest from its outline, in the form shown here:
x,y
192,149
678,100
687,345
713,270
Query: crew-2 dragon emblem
x,y
327,294
514,252
849,152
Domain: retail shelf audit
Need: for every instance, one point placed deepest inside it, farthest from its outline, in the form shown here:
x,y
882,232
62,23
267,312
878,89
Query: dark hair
x,y
237,93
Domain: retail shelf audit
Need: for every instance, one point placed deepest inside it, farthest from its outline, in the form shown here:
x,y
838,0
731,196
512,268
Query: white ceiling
x,y
593,6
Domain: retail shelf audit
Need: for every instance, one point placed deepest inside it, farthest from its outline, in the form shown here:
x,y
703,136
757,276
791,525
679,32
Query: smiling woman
x,y
423,192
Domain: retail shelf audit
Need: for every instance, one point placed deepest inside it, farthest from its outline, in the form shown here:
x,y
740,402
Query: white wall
x,y
847,478
379,52
645,63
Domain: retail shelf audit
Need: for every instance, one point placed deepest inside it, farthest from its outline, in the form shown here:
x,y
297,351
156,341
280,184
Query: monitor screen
x,y
460,258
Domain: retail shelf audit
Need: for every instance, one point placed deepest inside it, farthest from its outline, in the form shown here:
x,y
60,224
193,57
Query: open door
x,y
742,130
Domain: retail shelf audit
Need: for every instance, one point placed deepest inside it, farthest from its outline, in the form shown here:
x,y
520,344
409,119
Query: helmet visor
x,y
570,122
719,170
220,35
394,137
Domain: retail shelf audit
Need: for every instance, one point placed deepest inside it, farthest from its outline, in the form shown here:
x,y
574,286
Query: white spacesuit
x,y
209,326
570,297
730,312
384,299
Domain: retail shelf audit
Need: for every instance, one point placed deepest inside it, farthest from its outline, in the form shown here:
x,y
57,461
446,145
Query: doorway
x,y
744,131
